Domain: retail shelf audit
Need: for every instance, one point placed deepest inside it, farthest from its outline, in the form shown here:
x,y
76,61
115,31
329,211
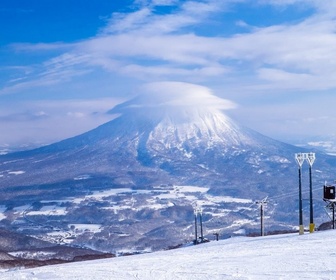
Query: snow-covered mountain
x,y
161,143
138,177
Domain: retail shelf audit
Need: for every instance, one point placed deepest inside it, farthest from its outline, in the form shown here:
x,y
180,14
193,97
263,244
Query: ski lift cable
x,y
248,208
294,193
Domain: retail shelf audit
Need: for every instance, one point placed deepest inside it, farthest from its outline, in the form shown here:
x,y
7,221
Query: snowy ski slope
x,y
290,256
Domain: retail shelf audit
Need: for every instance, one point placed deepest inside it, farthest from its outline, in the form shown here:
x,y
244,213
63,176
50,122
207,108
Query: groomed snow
x,y
51,210
309,256
19,172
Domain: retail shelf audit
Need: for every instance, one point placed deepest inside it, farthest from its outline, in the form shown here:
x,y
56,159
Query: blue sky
x,y
65,63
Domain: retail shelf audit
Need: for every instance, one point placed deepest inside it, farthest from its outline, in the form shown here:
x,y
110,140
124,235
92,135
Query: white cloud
x,y
39,47
146,21
156,2
143,43
164,2
175,94
127,22
305,48
304,4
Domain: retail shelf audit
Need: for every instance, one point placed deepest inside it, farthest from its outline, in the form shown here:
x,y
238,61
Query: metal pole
x,y
310,157
301,228
262,204
333,208
300,157
196,237
201,226
262,219
311,225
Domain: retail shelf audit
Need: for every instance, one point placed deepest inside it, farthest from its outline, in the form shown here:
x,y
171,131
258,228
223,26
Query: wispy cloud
x,y
23,116
148,45
29,47
177,94
52,120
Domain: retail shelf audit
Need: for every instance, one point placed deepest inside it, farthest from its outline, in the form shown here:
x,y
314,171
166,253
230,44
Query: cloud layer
x,y
172,96
146,44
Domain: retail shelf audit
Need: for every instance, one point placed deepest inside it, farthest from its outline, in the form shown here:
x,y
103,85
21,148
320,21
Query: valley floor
x,y
290,256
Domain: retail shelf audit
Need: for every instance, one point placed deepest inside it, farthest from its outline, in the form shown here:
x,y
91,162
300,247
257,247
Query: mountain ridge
x,y
132,175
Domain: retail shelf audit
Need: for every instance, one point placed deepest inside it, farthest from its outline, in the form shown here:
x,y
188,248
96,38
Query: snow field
x,y
291,256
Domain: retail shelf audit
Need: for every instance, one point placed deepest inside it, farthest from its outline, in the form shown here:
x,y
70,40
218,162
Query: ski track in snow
x,y
291,256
